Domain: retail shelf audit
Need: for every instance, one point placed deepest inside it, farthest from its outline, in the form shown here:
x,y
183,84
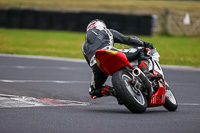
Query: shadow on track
x,y
121,109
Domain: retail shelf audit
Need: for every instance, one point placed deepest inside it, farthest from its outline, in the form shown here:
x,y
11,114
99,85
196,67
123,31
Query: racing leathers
x,y
104,39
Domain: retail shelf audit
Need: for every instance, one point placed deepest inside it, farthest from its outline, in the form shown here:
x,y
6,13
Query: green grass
x,y
177,50
173,50
47,43
104,5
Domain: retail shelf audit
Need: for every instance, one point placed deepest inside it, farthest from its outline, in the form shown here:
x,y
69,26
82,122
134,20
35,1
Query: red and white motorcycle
x,y
132,87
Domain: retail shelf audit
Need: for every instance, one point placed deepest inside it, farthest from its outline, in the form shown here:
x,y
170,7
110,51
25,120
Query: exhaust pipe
x,y
139,74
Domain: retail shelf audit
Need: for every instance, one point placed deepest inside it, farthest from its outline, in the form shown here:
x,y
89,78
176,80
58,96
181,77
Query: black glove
x,y
148,45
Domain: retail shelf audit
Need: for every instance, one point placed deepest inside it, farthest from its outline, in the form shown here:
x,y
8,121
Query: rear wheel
x,y
170,100
127,91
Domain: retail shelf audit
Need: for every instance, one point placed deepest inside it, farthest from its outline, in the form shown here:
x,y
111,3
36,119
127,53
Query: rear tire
x,y
132,97
170,100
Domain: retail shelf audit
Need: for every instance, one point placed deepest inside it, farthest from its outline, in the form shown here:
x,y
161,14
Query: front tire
x,y
170,100
131,96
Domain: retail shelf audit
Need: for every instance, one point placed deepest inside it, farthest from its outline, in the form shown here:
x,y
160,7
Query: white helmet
x,y
97,24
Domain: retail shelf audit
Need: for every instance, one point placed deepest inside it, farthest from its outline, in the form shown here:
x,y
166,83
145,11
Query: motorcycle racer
x,y
99,37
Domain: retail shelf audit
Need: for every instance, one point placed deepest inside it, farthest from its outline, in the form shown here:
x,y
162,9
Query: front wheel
x,y
170,100
130,95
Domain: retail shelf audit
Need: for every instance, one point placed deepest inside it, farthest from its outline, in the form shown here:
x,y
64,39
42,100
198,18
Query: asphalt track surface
x,y
69,80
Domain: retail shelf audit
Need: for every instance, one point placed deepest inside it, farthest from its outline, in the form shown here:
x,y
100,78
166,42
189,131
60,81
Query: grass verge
x,y
173,50
103,5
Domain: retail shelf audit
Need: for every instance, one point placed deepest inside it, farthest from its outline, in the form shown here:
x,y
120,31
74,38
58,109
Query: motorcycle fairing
x,y
154,62
158,98
110,61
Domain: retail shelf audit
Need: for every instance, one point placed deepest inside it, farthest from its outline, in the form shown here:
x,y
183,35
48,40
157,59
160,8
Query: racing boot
x,y
144,66
103,91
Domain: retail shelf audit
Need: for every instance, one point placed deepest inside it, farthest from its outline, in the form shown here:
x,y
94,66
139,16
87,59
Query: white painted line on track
x,y
190,68
189,104
44,58
83,61
71,82
8,101
185,84
43,81
39,67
